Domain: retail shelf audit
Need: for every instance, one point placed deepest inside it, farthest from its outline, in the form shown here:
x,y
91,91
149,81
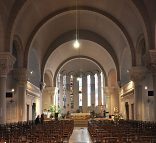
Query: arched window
x,y
89,90
56,97
80,91
64,91
71,92
96,89
58,88
102,86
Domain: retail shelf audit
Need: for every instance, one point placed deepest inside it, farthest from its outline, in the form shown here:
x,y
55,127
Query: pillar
x,y
48,94
6,63
154,102
21,75
93,92
107,102
114,98
99,90
84,94
76,94
152,68
42,87
137,75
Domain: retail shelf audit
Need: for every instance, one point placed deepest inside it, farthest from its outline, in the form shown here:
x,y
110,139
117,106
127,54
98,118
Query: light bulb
x,y
76,44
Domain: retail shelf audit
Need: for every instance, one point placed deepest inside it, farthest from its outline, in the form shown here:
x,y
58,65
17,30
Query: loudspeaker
x,y
9,94
151,93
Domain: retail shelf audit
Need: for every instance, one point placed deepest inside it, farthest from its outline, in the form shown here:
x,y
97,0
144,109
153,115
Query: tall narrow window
x,y
58,88
64,91
89,90
102,95
80,91
56,97
96,89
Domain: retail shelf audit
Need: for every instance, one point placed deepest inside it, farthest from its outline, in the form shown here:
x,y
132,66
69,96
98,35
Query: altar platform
x,y
80,119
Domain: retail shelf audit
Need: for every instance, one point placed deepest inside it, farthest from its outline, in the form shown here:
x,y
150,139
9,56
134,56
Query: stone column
x,y
114,98
21,75
93,92
154,102
137,75
152,68
6,63
107,102
76,94
42,87
84,94
48,94
99,90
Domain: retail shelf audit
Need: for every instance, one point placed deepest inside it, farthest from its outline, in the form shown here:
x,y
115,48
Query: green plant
x,y
54,109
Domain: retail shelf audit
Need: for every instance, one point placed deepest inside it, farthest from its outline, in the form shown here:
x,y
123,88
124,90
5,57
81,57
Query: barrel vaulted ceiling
x,y
108,31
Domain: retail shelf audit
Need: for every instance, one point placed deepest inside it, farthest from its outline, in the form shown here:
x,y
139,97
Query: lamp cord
x,y
76,22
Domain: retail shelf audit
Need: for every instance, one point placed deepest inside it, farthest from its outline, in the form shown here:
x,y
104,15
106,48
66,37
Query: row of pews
x,y
55,131
107,131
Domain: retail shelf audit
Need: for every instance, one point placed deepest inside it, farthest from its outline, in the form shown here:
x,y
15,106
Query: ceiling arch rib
x,y
52,15
48,78
85,35
79,57
17,6
145,22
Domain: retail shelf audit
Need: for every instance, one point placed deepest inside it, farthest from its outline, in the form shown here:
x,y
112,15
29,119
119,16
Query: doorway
x,y
27,112
132,109
127,110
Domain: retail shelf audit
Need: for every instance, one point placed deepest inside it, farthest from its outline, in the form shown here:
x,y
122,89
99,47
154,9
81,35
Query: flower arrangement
x,y
117,115
54,109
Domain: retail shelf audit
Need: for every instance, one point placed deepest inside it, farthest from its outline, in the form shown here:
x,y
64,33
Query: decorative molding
x,y
127,89
42,85
6,63
50,90
21,75
152,64
33,90
138,73
128,95
152,56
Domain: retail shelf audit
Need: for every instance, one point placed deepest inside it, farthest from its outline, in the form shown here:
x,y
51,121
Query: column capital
x,y
6,63
152,64
42,85
138,73
21,74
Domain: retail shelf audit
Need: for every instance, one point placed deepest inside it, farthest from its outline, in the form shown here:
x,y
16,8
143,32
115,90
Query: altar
x,y
80,119
80,116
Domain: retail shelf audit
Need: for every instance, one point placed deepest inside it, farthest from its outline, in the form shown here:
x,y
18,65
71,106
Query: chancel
x,y
88,67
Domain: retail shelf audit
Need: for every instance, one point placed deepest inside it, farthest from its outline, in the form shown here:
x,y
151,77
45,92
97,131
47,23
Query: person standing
x,y
37,120
42,118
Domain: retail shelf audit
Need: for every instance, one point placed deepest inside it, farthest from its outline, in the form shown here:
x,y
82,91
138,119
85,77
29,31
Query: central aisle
x,y
80,135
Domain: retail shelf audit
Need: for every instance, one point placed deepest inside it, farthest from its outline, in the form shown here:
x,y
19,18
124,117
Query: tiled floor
x,y
80,135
